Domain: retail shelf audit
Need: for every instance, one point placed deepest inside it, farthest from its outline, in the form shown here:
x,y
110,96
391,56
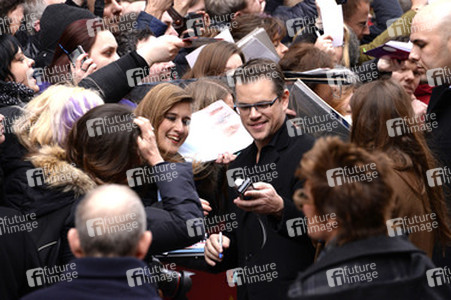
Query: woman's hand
x,y
82,70
225,158
147,143
205,206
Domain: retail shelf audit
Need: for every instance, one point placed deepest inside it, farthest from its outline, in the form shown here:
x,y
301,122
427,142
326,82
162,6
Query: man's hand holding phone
x,y
263,199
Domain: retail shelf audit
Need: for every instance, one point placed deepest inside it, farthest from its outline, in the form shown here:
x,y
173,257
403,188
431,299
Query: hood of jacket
x,y
59,173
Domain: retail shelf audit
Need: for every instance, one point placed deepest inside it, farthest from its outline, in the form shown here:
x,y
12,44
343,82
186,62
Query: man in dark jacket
x,y
110,240
359,259
432,49
260,246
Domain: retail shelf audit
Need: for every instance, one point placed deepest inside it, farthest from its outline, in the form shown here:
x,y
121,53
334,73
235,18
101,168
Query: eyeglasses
x,y
244,108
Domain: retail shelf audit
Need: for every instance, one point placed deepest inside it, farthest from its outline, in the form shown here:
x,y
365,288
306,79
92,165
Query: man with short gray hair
x,y
109,241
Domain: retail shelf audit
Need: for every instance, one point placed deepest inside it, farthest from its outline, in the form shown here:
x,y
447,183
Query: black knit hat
x,y
54,21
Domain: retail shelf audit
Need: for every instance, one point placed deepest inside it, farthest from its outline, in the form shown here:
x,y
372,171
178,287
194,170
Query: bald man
x,y
431,38
109,242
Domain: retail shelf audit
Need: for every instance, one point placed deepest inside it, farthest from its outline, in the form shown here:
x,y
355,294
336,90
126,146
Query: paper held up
x,y
332,17
214,130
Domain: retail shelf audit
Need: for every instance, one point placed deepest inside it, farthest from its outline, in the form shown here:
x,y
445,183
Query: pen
x,y
220,242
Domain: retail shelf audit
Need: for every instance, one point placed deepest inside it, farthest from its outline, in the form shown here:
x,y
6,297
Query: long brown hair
x,y
205,91
106,157
156,103
374,104
213,59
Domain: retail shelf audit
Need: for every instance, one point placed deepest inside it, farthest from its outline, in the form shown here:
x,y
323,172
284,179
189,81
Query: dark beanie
x,y
54,21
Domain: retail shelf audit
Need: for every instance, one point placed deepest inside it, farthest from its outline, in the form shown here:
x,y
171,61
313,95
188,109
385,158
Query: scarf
x,y
13,93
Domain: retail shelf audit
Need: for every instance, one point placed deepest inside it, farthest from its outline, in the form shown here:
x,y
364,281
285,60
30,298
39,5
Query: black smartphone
x,y
243,185
76,53
341,1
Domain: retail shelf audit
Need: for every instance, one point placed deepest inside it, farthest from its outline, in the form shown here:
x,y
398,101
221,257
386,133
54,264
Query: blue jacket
x,y
97,279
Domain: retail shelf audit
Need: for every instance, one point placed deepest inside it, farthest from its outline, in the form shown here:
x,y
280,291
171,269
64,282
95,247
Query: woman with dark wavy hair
x,y
110,145
376,109
16,84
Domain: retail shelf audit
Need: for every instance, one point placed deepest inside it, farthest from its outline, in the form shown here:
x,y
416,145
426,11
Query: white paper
x,y
214,130
332,17
192,57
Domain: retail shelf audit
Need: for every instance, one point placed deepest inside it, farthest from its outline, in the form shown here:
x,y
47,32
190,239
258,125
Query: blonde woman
x,y
40,129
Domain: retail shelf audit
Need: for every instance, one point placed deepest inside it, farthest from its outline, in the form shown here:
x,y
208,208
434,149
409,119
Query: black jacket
x,y
388,268
17,255
100,278
180,201
249,246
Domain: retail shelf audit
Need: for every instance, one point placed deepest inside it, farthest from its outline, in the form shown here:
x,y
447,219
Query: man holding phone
x,y
261,238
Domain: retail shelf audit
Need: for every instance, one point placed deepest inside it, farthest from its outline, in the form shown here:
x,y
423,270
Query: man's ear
x,y
285,99
37,25
74,243
143,245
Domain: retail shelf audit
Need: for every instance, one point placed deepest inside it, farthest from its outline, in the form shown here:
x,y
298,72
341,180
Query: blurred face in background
x,y
408,76
103,51
359,21
15,18
113,9
233,62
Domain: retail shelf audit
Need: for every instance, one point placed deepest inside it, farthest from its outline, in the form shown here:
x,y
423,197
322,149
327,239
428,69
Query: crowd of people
x,y
96,101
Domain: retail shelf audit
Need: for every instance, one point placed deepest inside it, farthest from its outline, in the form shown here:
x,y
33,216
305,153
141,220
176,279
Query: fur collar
x,y
59,173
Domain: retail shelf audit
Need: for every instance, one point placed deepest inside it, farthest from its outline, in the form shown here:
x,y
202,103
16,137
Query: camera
x,y
176,284
243,185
